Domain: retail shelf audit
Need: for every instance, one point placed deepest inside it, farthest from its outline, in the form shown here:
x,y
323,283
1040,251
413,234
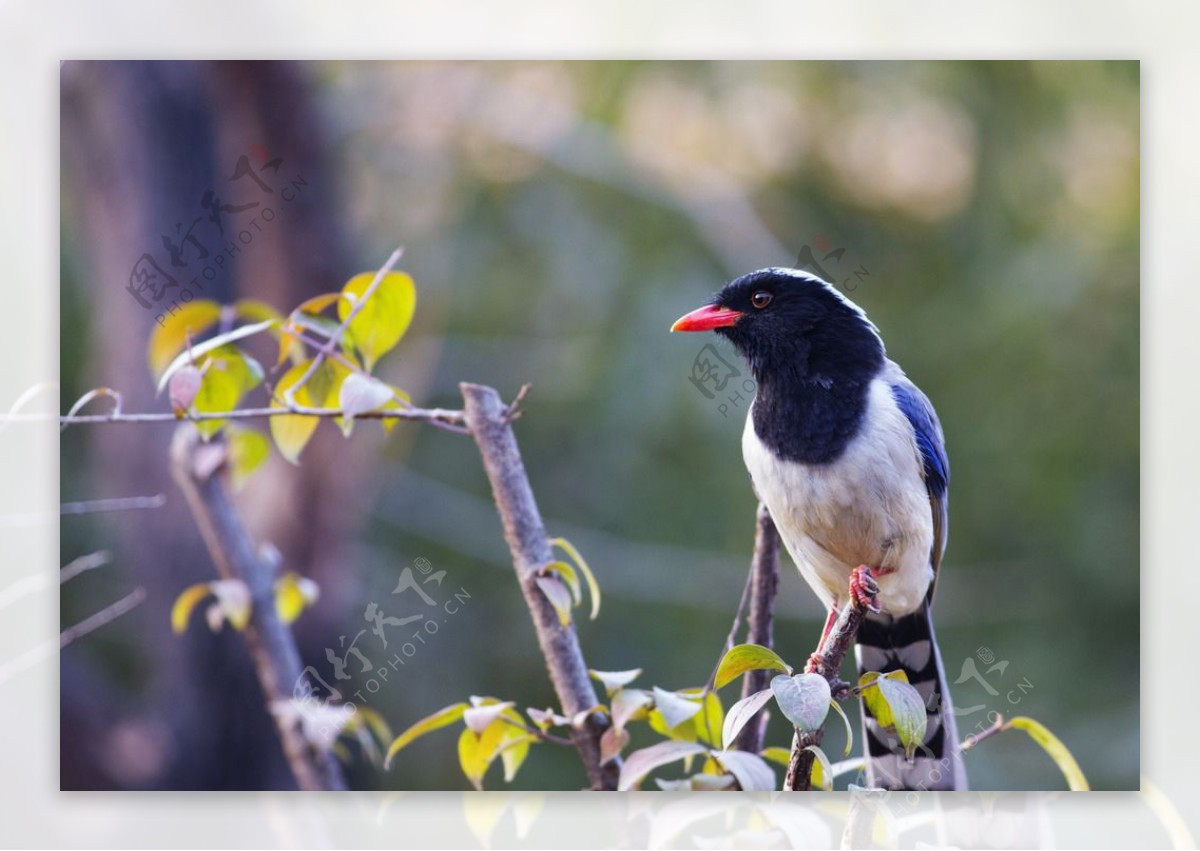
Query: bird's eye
x,y
761,299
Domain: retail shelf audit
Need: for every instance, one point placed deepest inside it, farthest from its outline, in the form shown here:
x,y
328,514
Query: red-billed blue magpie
x,y
849,457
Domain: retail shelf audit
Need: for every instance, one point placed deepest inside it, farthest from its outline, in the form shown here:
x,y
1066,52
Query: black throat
x,y
810,422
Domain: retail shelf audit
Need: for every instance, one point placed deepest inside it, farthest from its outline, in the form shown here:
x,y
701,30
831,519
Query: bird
x,y
849,457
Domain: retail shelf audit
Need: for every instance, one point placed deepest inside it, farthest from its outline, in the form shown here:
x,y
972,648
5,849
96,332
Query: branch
x,y
489,421
764,585
837,644
194,466
105,616
430,415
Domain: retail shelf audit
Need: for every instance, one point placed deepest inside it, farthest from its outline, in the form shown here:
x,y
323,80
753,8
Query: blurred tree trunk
x,y
141,144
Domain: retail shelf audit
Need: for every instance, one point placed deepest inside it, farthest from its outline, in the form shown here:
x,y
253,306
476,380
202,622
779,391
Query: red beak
x,y
707,318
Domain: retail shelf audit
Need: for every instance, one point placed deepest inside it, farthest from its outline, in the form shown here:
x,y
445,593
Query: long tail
x,y
907,643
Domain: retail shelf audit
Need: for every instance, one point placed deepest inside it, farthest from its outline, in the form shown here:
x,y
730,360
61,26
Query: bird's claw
x,y
815,664
864,590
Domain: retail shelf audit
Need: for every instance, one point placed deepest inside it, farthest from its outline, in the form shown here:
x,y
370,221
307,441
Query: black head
x,y
791,326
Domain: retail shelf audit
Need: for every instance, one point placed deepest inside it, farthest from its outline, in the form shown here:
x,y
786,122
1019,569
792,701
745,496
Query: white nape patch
x,y
830,288
870,506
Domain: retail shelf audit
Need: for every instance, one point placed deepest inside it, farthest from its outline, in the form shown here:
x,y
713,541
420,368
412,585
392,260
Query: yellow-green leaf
x,y
777,754
803,699
569,576
441,718
846,721
629,704
675,708
394,404
748,657
1052,745
171,335
253,310
710,721
360,394
822,771
233,598
383,318
194,355
896,705
185,603
558,595
614,680
227,375
476,751
292,431
590,578
294,594
248,450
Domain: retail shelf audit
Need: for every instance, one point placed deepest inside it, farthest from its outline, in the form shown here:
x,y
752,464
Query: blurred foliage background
x,y
557,218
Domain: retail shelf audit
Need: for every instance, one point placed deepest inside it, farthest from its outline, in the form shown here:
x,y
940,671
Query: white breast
x,y
868,507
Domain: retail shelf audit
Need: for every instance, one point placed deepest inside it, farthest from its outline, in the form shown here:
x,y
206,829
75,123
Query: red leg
x,y
815,664
864,590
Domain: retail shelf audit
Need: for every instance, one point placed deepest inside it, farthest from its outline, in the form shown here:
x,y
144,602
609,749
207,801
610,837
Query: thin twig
x,y
837,644
127,503
541,734
731,637
530,547
997,727
272,647
83,564
104,616
433,416
764,574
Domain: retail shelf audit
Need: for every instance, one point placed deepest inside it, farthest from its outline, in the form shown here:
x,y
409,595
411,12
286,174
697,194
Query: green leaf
x,y
751,771
822,771
640,763
558,595
741,712
803,699
896,705
674,708
171,335
846,722
614,680
748,657
383,319
476,751
441,718
248,450
1052,745
593,586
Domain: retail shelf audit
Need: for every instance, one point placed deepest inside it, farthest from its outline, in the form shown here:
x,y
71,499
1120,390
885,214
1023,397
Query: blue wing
x,y
917,408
